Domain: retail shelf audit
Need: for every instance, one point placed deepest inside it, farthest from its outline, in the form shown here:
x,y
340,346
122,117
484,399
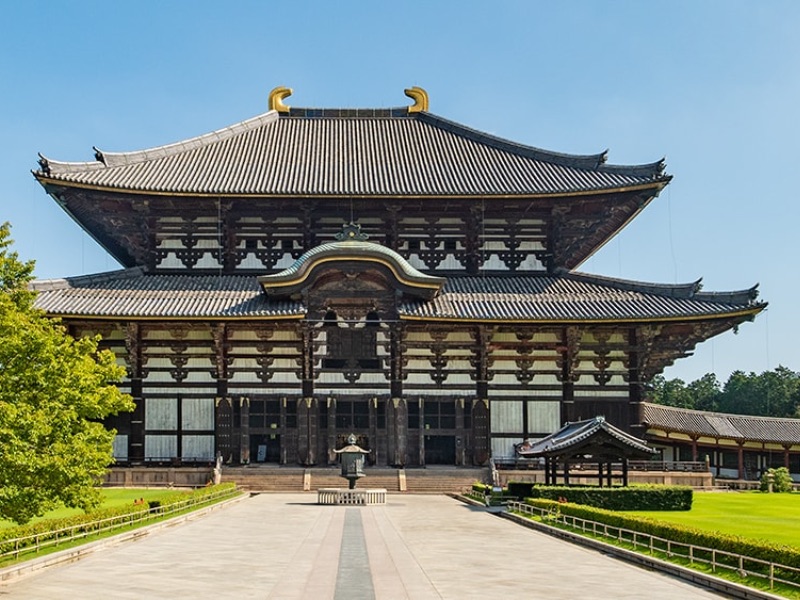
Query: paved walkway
x,y
284,546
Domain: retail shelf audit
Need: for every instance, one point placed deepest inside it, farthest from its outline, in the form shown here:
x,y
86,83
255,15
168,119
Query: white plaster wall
x,y
506,417
160,447
197,447
197,414
161,413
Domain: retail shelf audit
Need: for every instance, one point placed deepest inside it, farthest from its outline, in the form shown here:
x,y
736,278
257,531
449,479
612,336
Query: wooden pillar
x,y
600,473
546,470
244,430
331,431
741,460
624,471
481,435
786,456
568,363
397,431
223,427
566,471
307,431
372,408
223,409
133,346
307,334
694,449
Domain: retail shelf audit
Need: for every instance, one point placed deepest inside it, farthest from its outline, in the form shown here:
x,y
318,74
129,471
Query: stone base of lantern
x,y
347,497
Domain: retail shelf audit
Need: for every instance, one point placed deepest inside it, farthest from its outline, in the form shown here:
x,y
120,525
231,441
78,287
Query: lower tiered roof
x,y
721,426
569,297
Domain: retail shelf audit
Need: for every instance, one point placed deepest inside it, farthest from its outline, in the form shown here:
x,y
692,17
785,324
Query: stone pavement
x,y
285,546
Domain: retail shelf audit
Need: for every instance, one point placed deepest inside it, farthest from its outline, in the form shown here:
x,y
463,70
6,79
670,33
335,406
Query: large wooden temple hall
x,y
311,272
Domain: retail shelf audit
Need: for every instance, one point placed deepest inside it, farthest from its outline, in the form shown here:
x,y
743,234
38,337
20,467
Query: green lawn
x,y
111,497
772,517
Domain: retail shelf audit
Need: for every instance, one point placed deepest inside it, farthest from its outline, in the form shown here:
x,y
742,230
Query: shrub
x,y
639,497
781,480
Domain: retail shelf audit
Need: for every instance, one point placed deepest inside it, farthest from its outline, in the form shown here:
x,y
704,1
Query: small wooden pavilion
x,y
584,443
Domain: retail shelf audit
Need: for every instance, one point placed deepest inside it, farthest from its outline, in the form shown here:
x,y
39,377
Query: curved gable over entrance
x,y
355,258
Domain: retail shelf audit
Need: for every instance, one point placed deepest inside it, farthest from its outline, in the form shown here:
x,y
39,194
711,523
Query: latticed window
x,y
440,414
353,414
351,345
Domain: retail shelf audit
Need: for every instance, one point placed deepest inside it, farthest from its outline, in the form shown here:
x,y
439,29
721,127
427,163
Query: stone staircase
x,y
434,480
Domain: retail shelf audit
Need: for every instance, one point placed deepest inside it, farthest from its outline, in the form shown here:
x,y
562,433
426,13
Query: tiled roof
x,y
368,152
572,297
574,435
133,294
721,425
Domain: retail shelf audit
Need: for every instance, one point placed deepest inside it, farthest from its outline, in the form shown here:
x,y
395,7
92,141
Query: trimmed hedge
x,y
85,523
638,497
762,550
89,522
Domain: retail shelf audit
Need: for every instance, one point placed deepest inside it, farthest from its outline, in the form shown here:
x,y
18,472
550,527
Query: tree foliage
x,y
773,393
53,391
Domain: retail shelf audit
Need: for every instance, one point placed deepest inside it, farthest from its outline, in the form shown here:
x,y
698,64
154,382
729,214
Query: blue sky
x,y
713,86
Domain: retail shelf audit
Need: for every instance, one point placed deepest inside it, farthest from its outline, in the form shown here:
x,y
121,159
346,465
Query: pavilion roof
x,y
721,425
568,297
592,435
352,153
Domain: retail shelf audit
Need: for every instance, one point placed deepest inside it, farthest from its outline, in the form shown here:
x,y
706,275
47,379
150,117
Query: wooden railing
x,y
534,464
717,560
35,543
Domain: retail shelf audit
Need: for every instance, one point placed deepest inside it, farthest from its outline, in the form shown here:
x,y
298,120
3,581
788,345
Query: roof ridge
x,y
115,159
595,162
671,290
60,282
582,161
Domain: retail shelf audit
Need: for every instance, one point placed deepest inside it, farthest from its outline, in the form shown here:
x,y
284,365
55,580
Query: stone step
x,y
290,480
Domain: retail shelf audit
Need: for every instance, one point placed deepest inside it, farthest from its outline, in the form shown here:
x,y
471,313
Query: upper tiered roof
x,y
309,152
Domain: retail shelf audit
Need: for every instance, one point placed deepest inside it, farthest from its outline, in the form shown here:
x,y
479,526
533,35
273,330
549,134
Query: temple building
x,y
312,272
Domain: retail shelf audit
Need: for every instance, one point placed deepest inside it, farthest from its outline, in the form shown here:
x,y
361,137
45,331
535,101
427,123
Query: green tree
x,y
705,392
54,390
773,393
671,392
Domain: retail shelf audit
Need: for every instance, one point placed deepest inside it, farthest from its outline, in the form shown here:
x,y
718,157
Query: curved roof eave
x,y
342,251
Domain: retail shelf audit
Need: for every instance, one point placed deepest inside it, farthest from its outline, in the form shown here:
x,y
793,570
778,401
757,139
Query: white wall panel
x,y
160,447
161,413
544,417
197,447
120,447
506,417
197,414
503,448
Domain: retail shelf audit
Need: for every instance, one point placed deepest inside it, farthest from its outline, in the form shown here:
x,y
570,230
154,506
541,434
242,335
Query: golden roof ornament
x,y
420,98
276,97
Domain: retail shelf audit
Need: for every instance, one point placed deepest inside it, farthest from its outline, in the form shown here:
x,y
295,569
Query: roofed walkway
x,y
284,546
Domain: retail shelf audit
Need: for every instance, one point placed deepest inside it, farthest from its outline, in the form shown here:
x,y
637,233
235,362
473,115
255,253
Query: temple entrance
x,y
440,449
265,448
